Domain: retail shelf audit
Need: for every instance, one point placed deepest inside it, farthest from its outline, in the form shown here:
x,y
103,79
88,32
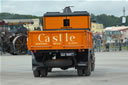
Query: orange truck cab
x,y
65,42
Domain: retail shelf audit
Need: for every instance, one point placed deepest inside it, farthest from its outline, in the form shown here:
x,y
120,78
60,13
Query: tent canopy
x,y
121,28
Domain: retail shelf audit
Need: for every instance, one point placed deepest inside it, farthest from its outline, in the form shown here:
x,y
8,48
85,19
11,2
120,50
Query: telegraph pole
x,y
123,11
123,18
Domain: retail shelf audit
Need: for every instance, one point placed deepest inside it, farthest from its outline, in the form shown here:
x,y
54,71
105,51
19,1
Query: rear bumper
x,y
54,59
57,51
58,63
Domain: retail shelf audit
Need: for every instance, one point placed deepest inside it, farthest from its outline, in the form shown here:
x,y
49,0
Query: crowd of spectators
x,y
101,43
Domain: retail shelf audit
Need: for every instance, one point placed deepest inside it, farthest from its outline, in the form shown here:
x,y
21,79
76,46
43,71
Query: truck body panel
x,y
75,22
59,40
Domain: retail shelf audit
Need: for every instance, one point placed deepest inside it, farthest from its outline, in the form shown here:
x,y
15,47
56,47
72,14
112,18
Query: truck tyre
x,y
44,72
93,65
88,69
80,72
36,73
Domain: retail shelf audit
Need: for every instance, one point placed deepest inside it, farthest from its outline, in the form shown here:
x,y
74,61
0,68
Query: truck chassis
x,y
43,61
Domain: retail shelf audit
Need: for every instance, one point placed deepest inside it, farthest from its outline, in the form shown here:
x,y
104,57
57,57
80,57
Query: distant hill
x,y
106,20
110,20
16,16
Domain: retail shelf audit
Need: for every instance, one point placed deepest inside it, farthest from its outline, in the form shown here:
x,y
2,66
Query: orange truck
x,y
65,42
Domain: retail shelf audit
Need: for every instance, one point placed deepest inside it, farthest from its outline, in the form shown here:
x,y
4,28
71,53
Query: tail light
x,y
34,51
79,50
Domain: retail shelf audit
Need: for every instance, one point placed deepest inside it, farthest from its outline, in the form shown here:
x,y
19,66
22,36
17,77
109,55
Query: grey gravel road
x,y
111,69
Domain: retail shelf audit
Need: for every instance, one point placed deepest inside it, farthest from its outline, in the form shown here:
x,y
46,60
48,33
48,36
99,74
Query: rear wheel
x,y
44,72
80,72
19,44
93,65
36,73
88,69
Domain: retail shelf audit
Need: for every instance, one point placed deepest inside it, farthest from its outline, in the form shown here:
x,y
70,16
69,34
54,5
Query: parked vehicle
x,y
14,36
65,42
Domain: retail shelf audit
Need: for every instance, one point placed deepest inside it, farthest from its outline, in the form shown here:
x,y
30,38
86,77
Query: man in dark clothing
x,y
98,42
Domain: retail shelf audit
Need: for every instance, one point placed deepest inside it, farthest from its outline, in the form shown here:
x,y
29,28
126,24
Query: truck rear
x,y
64,46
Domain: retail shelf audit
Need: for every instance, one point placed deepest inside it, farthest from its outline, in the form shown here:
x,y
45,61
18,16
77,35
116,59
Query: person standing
x,y
104,39
120,42
1,44
98,42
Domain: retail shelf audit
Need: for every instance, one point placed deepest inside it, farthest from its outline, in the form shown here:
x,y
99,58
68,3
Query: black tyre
x,y
88,69
36,73
20,44
80,72
44,72
93,65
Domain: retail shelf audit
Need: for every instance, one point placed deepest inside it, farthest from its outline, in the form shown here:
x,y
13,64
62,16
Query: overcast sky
x,y
39,7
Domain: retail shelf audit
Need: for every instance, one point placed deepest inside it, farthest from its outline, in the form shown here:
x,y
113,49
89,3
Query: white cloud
x,y
40,7
65,0
0,5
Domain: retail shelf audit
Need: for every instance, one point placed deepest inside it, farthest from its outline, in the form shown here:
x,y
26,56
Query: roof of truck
x,y
67,12
75,13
